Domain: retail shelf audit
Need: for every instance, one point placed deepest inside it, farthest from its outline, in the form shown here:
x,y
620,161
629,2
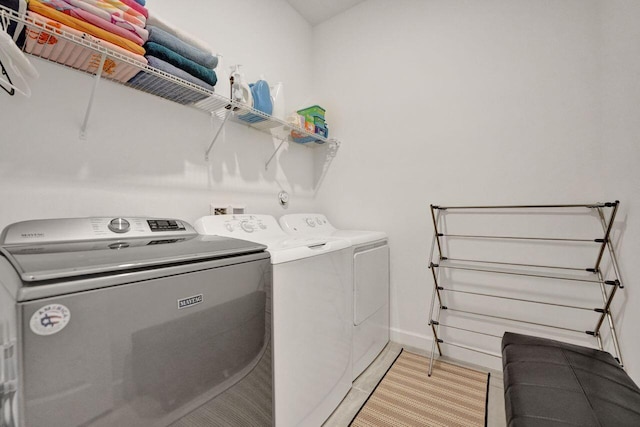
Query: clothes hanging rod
x,y
519,274
477,350
518,320
550,239
519,264
517,299
468,330
586,205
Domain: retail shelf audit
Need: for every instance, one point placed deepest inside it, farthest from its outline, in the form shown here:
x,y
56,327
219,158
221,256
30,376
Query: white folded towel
x,y
159,22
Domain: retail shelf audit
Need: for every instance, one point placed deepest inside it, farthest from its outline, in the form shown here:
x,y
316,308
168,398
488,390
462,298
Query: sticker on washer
x,y
50,319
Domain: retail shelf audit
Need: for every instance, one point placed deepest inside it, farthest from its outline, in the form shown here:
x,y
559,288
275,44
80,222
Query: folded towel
x,y
114,19
158,35
158,22
76,12
166,88
167,55
136,6
51,13
115,11
16,29
141,2
69,53
127,9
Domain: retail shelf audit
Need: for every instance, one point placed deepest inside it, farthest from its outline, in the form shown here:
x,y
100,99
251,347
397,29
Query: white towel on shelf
x,y
162,23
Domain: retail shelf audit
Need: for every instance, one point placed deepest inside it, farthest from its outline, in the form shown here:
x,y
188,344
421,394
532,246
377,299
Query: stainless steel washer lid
x,y
99,245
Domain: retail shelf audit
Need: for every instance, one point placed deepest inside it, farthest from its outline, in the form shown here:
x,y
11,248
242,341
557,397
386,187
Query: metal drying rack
x,y
608,287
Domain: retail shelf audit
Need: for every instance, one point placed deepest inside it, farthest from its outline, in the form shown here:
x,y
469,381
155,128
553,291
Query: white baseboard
x,y
411,339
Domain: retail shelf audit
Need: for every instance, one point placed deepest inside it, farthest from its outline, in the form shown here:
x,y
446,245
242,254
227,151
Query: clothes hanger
x,y
4,78
14,61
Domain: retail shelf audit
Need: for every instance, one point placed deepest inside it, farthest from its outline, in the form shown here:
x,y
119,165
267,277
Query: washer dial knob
x,y
119,225
310,222
247,226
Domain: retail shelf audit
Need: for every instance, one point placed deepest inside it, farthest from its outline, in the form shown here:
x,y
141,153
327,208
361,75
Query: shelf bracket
x,y
282,141
215,137
83,129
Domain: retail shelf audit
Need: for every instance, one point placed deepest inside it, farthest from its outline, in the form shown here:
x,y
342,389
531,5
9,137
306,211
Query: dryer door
x,y
371,282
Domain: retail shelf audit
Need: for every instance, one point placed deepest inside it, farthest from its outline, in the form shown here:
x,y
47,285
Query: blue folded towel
x,y
167,89
141,2
158,35
177,60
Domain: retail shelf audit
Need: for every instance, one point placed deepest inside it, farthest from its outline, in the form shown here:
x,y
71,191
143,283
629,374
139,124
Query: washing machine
x,y
312,310
370,257
131,322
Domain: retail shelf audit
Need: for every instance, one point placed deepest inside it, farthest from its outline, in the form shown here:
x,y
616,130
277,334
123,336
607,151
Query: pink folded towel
x,y
138,7
83,15
109,16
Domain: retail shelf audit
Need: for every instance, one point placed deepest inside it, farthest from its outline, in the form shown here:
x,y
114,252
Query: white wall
x,y
145,155
456,102
444,102
621,156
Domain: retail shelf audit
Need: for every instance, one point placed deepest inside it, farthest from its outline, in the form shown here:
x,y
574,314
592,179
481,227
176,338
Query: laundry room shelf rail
x,y
89,54
539,280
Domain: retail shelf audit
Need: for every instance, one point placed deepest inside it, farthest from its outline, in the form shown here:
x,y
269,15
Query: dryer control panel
x,y
306,223
263,226
93,228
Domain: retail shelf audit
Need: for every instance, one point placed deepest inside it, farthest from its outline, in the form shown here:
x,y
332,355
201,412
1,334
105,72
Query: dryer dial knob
x,y
310,222
247,226
119,225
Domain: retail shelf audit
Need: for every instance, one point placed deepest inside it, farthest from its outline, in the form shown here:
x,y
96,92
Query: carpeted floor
x,y
407,396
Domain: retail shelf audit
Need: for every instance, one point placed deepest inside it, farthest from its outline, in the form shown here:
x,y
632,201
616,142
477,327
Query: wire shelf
x,y
85,53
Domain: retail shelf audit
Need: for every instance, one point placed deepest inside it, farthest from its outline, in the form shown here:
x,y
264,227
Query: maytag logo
x,y
189,302
32,235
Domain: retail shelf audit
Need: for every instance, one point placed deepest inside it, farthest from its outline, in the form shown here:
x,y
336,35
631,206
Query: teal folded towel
x,y
173,58
157,35
173,91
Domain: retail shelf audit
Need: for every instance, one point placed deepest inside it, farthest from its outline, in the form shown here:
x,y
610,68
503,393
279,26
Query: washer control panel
x,y
157,225
93,228
245,224
119,225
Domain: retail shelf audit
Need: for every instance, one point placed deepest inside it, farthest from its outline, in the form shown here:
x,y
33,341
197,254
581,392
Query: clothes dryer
x,y
131,322
312,311
370,257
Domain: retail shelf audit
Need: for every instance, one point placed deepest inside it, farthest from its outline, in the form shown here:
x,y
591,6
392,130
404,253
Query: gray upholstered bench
x,y
551,383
